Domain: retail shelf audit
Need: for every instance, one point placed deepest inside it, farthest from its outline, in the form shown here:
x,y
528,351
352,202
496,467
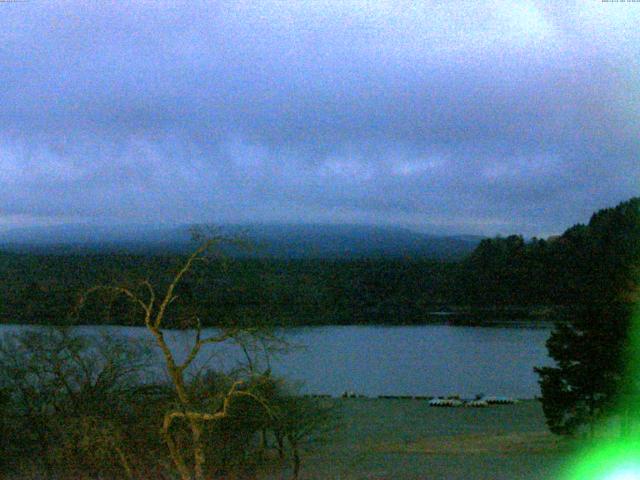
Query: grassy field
x,y
407,439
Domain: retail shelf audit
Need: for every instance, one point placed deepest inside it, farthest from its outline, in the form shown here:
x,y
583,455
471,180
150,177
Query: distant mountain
x,y
269,240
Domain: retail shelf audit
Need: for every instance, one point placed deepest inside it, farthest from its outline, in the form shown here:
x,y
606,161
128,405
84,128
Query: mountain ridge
x,y
270,240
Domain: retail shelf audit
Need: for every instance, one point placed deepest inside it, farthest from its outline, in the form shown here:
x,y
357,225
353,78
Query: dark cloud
x,y
495,117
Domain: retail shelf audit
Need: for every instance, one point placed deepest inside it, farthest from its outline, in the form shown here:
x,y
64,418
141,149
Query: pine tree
x,y
591,345
590,349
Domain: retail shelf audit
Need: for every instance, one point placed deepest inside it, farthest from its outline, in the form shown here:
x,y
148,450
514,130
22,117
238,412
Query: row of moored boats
x,y
451,401
477,403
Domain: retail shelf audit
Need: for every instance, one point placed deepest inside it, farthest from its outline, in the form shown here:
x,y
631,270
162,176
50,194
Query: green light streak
x,y
625,473
608,461
617,459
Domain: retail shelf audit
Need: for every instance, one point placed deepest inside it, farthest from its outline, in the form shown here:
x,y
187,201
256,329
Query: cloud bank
x,y
492,117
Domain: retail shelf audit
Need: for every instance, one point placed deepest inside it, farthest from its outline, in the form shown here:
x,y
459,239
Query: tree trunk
x,y
624,422
296,462
198,450
280,442
124,462
263,439
592,420
174,450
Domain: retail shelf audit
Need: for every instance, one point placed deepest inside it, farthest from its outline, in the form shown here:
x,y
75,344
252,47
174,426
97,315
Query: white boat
x,y
445,402
478,403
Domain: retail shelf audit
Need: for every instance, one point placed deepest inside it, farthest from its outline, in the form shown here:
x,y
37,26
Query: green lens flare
x,y
617,458
625,473
611,461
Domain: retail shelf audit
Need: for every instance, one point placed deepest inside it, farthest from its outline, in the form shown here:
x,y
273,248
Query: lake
x,y
429,360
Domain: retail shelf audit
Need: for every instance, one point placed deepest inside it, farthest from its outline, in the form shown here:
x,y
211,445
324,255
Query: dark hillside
x,y
269,240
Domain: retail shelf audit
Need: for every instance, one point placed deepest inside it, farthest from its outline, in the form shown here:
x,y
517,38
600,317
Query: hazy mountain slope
x,y
270,240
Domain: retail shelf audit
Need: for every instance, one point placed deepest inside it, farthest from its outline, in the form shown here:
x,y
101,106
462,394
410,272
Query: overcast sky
x,y
481,117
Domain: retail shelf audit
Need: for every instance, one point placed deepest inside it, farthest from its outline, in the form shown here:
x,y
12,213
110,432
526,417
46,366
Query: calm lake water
x,y
400,360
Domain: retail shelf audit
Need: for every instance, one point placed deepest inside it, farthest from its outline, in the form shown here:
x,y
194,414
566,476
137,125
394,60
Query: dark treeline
x,y
506,272
586,263
46,288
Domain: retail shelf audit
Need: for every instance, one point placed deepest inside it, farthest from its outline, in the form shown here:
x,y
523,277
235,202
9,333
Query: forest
x,y
509,275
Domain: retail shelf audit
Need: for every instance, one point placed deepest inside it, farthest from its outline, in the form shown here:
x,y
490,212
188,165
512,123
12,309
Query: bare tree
x,y
302,421
66,393
154,305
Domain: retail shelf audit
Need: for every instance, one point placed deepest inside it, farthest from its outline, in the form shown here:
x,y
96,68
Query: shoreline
x,y
405,439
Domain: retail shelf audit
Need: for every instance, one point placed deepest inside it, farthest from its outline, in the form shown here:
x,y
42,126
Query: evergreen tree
x,y
590,350
591,346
